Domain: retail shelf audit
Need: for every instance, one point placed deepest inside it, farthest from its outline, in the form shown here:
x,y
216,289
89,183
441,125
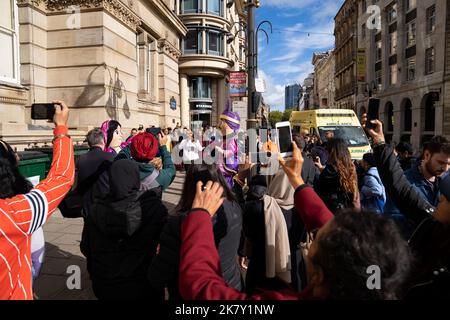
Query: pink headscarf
x,y
105,128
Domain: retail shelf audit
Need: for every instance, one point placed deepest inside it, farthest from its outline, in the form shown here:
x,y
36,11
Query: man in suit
x,y
89,163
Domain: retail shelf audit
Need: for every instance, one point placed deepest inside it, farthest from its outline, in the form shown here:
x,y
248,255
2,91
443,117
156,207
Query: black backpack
x,y
431,245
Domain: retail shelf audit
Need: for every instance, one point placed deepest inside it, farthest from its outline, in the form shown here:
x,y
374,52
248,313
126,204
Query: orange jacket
x,y
22,215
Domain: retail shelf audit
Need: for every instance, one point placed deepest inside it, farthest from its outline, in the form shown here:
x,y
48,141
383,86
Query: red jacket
x,y
25,213
200,275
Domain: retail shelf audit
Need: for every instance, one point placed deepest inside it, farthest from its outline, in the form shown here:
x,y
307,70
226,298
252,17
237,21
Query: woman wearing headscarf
x,y
122,236
228,164
273,232
112,133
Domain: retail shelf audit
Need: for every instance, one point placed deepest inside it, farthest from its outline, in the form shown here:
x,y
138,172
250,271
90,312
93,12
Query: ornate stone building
x,y
108,59
324,88
407,67
346,44
213,47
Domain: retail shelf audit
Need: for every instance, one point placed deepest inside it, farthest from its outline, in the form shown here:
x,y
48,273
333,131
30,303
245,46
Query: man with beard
x,y
425,176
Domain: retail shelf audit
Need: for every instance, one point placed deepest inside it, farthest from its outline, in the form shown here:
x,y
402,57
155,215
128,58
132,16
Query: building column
x,y
397,125
416,131
184,100
221,95
439,117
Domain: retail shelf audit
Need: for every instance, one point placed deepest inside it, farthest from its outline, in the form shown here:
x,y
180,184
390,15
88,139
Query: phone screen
x,y
42,111
285,140
372,114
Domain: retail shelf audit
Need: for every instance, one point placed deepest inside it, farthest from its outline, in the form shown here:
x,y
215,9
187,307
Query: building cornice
x,y
193,17
205,57
10,100
172,17
165,46
115,7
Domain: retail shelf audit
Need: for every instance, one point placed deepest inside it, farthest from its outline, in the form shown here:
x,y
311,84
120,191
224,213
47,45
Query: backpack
x,y
430,242
73,203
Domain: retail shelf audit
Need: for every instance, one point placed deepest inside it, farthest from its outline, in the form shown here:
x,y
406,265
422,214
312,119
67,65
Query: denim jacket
x,y
373,194
428,190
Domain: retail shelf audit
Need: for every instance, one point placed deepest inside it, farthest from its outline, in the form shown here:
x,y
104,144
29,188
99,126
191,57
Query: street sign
x,y
260,85
173,103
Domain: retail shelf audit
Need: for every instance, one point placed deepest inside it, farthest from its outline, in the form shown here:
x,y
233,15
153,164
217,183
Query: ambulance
x,y
343,123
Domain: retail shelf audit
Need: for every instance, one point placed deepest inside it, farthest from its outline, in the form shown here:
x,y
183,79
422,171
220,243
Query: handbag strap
x,y
147,183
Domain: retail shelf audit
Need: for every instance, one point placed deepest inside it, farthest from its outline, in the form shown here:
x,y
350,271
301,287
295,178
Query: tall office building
x,y
291,97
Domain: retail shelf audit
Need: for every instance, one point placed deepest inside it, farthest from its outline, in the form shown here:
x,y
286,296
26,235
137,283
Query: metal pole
x,y
251,54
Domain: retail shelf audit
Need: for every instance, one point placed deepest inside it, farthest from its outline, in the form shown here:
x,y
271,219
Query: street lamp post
x,y
251,115
256,41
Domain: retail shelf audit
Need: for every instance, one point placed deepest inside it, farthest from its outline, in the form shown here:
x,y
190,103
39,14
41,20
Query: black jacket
x,y
430,242
90,162
329,188
227,226
405,196
117,261
308,170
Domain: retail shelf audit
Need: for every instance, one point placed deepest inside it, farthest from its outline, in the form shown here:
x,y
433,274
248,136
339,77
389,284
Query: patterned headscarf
x,y
232,119
108,127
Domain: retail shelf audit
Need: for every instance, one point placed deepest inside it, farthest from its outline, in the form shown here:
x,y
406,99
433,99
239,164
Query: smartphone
x,y
154,131
373,112
284,138
42,111
204,176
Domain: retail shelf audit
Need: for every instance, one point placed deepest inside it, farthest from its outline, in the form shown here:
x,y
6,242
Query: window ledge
x,y
13,85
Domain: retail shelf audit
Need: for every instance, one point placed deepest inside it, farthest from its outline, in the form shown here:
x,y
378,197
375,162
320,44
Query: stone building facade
x,y
324,87
108,59
213,47
345,52
407,67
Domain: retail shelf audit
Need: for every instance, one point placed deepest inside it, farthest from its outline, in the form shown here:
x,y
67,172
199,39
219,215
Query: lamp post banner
x,y
238,84
361,65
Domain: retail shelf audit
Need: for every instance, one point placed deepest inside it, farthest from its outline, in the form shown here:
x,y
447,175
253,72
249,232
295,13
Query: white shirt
x,y
190,150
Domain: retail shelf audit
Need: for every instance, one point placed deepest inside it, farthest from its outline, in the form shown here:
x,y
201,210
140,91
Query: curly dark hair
x,y
340,158
11,181
356,241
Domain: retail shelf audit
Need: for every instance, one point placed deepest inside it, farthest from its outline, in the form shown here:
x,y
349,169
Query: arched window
x,y
407,115
430,113
389,112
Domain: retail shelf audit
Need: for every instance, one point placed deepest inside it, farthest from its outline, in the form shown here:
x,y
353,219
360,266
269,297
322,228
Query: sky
x,y
300,28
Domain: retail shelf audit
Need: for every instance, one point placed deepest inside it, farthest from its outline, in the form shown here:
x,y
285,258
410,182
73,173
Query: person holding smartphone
x,y
21,214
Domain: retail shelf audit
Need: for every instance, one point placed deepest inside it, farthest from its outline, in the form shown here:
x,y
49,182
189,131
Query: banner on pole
x,y
361,65
238,84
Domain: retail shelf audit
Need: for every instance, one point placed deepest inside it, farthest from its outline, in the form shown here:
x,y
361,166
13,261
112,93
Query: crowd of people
x,y
310,230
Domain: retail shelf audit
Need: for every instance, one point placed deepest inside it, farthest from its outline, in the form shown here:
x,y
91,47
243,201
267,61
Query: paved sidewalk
x,y
63,238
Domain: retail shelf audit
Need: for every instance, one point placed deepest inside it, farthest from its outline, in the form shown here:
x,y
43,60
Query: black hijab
x,y
124,180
